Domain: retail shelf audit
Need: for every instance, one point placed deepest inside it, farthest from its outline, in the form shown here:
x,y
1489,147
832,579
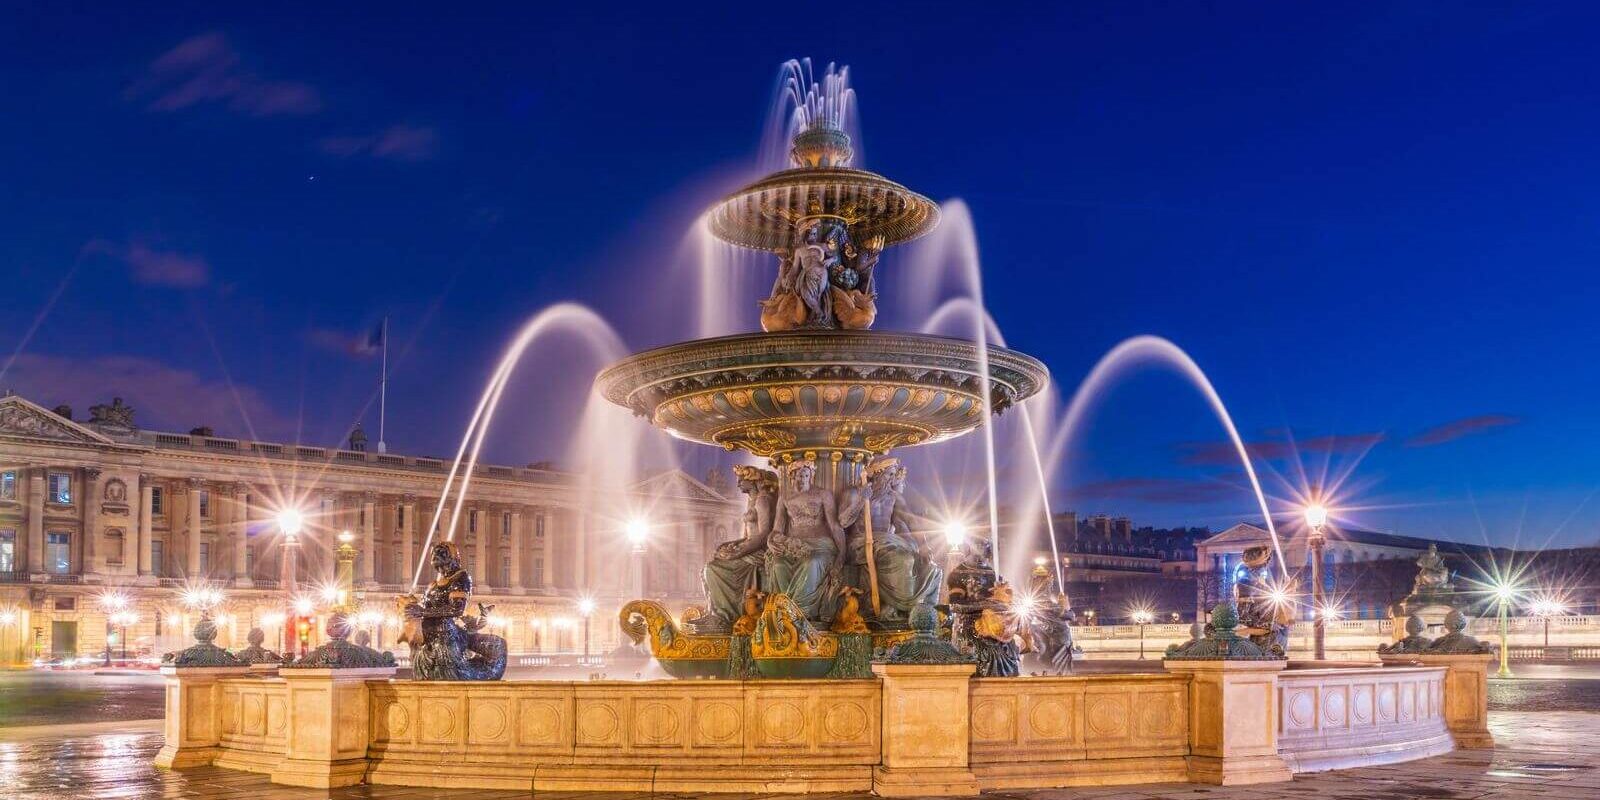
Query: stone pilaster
x,y
517,552
369,539
547,575
36,520
146,532
926,722
408,549
1466,694
328,717
1233,721
193,724
92,561
239,515
192,526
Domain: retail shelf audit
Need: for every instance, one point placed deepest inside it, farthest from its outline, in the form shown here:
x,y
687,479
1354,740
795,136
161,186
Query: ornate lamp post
x,y
1142,617
1545,608
290,521
586,609
113,605
1503,594
123,619
638,532
1316,518
345,576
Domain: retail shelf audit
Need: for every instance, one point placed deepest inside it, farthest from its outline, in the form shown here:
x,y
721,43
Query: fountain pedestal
x,y
1466,693
1233,714
194,699
926,727
328,717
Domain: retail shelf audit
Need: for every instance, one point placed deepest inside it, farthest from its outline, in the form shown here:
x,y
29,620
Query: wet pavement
x,y
49,698
1547,755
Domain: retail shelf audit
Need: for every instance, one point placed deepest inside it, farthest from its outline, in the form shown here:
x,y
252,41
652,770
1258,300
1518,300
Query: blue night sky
x,y
1375,226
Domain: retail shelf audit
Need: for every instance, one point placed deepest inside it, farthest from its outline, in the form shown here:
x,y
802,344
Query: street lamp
x,y
290,520
1545,608
112,604
1316,518
586,609
1504,593
638,532
1143,617
955,534
345,590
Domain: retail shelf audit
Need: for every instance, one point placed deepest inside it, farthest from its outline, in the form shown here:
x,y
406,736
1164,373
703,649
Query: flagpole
x,y
383,387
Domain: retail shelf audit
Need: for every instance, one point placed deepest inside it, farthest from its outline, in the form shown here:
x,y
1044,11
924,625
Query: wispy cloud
x,y
166,397
206,69
363,344
1456,429
396,142
1279,449
152,266
1157,490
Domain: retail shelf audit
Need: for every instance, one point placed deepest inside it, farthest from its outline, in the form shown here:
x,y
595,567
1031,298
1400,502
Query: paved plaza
x,y
1540,755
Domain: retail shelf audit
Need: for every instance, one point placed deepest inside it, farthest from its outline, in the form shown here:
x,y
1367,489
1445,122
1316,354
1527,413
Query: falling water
x,y
967,308
570,317
1138,348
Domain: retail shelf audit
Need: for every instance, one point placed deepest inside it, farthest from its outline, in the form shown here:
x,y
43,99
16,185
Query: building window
x,y
505,526
114,544
8,485
505,572
538,527
156,497
472,521
249,562
61,488
68,603
400,517
538,572
205,558
58,552
361,517
205,504
8,551
158,557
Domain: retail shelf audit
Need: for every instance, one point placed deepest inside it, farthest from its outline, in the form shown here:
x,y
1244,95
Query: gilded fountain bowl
x,y
803,394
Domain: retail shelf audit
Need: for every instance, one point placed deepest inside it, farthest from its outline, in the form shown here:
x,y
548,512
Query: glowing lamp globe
x,y
1316,515
637,531
955,534
586,606
290,521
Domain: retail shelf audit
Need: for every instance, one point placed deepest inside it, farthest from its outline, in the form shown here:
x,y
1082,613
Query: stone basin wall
x,y
923,730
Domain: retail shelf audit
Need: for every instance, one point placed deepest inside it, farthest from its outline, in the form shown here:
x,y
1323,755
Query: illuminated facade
x,y
92,511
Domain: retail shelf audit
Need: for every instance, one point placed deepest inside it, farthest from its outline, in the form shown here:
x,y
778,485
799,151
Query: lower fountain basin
x,y
801,394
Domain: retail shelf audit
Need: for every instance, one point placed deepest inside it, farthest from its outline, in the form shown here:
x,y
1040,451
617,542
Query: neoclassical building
x,y
97,511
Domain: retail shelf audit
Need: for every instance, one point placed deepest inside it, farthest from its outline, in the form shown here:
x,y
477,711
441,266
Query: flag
x,y
375,339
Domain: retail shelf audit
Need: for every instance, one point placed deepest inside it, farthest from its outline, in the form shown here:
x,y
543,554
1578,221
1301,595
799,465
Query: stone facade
x,y
98,507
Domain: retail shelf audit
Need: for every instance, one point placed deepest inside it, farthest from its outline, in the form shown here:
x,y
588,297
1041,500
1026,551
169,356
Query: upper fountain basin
x,y
763,215
796,394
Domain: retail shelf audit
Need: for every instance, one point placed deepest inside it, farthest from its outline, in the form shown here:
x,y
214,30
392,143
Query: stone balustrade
x,y
914,730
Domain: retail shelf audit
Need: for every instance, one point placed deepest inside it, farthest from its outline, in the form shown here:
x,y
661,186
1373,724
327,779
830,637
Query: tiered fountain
x,y
824,400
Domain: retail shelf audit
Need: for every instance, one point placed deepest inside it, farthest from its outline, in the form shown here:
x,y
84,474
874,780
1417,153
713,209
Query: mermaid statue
x,y
446,643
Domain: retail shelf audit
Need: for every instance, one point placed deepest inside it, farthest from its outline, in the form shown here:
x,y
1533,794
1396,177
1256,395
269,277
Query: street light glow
x,y
346,537
290,520
586,606
1143,616
1316,515
955,533
303,606
637,530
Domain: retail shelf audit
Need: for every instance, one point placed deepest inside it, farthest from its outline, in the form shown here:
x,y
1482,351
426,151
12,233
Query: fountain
x,y
825,400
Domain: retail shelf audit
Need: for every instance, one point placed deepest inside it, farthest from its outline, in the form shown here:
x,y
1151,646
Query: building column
x,y
191,527
408,551
239,503
581,561
89,500
480,539
547,575
369,538
517,553
146,534
36,520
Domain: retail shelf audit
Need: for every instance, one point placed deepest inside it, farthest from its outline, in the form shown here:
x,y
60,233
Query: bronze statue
x,y
737,565
805,551
1264,614
1433,577
904,570
982,622
446,644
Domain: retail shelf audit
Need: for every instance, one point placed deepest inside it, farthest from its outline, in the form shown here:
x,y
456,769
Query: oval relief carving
x,y
992,720
1300,709
438,719
717,722
1048,718
1361,704
655,723
1108,716
255,714
845,722
488,722
1333,708
1386,704
782,722
539,723
399,721
596,723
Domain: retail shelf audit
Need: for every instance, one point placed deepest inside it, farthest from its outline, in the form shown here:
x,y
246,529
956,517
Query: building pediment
x,y
22,419
1243,533
679,484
